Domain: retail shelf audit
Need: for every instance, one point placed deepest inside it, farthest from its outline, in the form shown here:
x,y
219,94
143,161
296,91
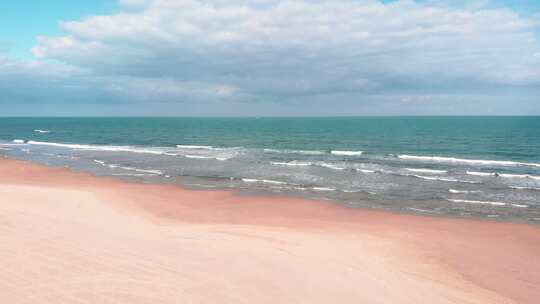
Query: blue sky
x,y
270,57
22,21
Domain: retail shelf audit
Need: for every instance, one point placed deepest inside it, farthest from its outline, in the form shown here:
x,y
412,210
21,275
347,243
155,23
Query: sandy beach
x,y
69,237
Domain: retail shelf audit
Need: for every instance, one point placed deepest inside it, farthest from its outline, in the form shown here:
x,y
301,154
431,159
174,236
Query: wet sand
x,y
68,237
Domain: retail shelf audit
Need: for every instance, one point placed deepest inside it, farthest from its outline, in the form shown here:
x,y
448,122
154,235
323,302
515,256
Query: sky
x,y
269,58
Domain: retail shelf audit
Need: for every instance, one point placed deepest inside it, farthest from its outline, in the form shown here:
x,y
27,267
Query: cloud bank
x,y
359,54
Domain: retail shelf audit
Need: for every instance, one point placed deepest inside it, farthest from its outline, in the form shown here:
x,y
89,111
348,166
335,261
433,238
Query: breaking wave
x,y
426,171
346,153
463,191
505,175
441,159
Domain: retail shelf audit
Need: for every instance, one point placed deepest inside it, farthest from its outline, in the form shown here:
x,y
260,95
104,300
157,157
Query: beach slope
x,y
68,237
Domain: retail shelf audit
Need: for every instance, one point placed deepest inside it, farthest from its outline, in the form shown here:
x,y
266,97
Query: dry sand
x,y
68,237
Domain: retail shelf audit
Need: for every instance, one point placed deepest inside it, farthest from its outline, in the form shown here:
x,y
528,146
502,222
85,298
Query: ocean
x,y
484,167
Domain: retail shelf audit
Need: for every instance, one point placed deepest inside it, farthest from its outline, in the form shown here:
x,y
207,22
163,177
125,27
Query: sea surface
x,y
486,167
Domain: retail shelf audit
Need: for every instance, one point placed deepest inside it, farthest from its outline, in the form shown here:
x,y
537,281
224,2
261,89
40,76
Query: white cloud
x,y
297,49
304,47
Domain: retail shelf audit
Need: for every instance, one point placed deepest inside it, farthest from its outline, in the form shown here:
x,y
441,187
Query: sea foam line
x,y
195,147
42,131
303,152
505,175
421,170
295,163
292,164
440,179
487,203
323,189
365,170
115,166
205,157
525,188
463,191
466,161
101,148
266,181
346,153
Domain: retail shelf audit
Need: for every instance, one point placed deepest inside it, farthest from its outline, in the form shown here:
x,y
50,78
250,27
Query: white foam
x,y
205,157
520,206
519,176
477,202
525,188
292,164
426,171
102,148
194,147
197,156
18,141
42,131
99,162
156,172
504,175
423,210
466,161
359,191
330,166
323,189
130,174
366,171
346,153
266,181
463,191
480,173
114,166
304,152
440,179
202,185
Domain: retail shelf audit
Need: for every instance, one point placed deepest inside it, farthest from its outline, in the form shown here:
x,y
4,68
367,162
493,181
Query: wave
x,y
365,170
426,171
19,141
525,188
478,202
423,210
480,173
266,181
205,157
323,189
303,152
505,175
296,163
42,131
201,185
195,147
329,166
463,191
466,161
433,178
346,153
292,164
130,174
102,148
115,166
488,203
359,191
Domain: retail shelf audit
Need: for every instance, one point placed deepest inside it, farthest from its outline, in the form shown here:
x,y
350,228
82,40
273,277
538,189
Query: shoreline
x,y
266,193
330,251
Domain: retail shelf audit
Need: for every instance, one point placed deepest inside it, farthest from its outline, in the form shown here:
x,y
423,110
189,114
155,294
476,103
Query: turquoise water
x,y
467,166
